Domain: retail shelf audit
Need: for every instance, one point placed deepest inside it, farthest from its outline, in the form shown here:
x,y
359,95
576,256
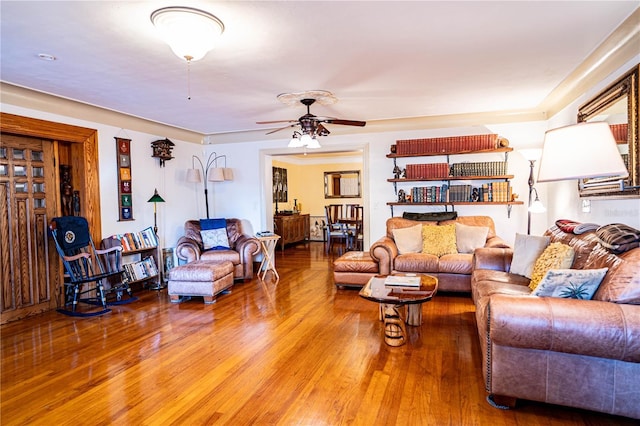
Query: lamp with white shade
x,y
579,151
210,173
535,206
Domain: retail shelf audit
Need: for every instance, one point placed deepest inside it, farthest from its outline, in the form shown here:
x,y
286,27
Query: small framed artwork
x,y
125,200
124,160
125,213
125,187
125,173
167,262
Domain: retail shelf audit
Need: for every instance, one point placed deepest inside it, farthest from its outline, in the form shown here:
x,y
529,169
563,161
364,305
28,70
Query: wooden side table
x,y
268,244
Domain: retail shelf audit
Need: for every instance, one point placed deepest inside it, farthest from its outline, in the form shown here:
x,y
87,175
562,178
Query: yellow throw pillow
x,y
555,256
439,240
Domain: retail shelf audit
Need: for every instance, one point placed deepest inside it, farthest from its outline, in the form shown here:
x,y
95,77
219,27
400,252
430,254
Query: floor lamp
x,y
155,199
535,206
218,174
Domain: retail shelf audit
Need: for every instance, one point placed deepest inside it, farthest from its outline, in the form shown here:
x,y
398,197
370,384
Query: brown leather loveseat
x,y
578,353
452,270
242,248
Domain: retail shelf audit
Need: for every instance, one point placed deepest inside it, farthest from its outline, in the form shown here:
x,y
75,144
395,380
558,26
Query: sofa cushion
x,y
570,283
439,240
409,239
469,238
526,250
214,234
416,262
555,256
458,263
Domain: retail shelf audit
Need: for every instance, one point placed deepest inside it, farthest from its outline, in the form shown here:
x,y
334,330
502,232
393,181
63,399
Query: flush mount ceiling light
x,y
190,32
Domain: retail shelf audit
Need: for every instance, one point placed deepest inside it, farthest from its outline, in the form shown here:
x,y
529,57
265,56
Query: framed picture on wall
x,y
280,188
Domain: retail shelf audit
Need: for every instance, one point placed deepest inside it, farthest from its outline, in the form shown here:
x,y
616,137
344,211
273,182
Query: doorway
x,y
28,265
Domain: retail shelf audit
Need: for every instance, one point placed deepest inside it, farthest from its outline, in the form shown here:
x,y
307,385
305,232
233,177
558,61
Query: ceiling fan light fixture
x,y
190,32
295,141
313,144
305,139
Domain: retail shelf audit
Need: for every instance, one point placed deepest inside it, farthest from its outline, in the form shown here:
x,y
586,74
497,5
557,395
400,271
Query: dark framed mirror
x,y
342,184
618,106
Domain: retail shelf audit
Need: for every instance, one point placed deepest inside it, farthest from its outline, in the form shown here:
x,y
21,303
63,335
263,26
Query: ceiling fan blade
x,y
276,121
321,130
281,128
345,122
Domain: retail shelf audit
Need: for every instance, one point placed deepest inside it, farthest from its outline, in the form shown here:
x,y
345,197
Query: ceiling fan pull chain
x,y
188,58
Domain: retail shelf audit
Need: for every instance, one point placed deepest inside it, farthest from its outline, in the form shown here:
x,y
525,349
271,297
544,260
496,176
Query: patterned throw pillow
x,y
409,239
570,283
525,252
439,240
618,237
214,234
555,256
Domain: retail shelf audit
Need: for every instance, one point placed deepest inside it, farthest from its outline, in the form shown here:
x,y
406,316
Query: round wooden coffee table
x,y
394,292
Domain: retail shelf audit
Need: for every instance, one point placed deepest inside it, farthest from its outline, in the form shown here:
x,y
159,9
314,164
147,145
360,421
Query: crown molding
x,y
45,102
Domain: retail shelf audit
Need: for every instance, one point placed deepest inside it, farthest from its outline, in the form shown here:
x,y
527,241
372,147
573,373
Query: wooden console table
x,y
292,228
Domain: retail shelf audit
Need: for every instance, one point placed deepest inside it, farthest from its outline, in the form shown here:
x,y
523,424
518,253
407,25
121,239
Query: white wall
x,y
181,199
248,198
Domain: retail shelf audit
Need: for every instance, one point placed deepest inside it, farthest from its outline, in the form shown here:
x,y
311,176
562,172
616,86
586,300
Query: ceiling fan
x,y
311,125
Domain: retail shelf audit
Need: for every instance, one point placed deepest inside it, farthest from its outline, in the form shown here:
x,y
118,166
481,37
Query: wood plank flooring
x,y
299,352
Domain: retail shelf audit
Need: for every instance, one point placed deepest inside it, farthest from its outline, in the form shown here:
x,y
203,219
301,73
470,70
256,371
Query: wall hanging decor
x,y
162,150
280,185
125,202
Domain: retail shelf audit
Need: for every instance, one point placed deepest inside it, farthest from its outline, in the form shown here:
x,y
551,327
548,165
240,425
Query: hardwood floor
x,y
299,352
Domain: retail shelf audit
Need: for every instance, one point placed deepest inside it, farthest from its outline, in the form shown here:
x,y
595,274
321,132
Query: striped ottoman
x,y
353,269
200,278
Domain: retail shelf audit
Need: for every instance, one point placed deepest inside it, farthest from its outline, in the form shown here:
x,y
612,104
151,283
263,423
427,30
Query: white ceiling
x,y
381,59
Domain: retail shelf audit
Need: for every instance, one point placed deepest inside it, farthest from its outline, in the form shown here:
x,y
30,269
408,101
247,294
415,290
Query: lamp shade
x,y
193,175
537,206
228,173
216,174
190,32
295,143
313,144
155,198
583,150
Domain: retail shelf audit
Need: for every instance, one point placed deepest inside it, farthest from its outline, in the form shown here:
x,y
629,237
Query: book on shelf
x,y
132,241
136,271
468,143
402,280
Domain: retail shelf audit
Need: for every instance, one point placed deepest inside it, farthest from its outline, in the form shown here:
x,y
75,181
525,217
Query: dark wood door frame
x,y
84,150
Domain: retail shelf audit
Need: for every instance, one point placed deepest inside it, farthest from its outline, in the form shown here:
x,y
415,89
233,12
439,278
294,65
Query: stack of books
x,y
136,271
449,144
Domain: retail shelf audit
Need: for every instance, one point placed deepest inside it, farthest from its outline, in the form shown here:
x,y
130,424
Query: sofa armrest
x,y
248,247
384,251
583,327
496,259
496,242
188,249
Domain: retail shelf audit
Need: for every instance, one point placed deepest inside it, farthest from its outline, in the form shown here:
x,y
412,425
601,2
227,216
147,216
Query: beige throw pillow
x,y
525,252
469,238
439,240
408,240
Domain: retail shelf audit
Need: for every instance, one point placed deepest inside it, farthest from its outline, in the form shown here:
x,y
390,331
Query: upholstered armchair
x,y
242,248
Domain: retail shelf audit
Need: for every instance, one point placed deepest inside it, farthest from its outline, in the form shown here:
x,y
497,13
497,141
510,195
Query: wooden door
x,y
29,264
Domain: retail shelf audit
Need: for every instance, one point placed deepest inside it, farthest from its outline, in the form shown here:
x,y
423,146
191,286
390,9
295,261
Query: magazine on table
x,y
402,280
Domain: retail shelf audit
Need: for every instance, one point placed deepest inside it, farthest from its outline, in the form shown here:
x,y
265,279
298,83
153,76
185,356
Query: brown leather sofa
x,y
242,248
452,270
578,353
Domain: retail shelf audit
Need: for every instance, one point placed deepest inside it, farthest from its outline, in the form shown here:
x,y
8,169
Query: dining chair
x,y
335,231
